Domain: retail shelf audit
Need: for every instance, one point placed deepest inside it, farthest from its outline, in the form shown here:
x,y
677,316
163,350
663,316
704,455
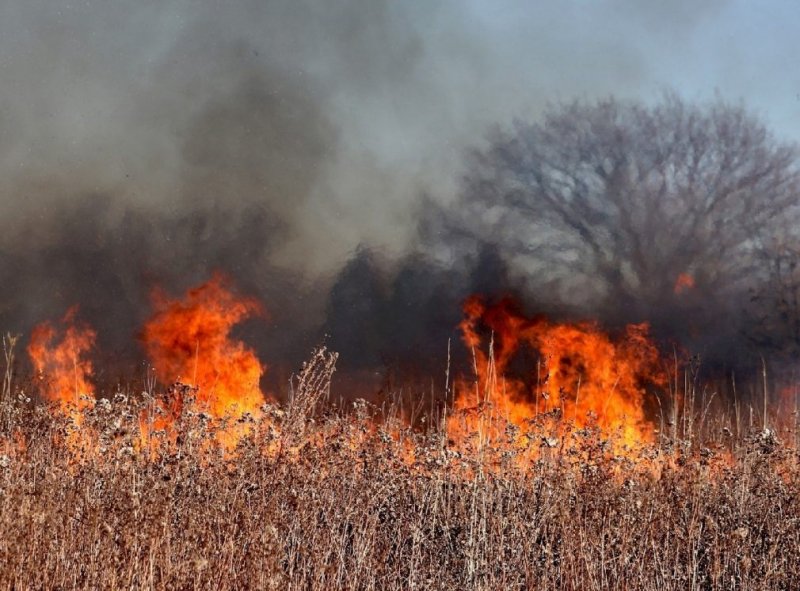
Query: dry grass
x,y
337,503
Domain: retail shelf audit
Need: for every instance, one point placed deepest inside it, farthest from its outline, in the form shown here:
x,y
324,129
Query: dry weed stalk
x,y
9,344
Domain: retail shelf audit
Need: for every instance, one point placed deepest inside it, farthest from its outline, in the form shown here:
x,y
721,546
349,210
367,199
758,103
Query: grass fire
x,y
370,295
546,468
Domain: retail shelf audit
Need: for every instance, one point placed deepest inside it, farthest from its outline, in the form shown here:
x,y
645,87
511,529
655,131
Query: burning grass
x,y
354,500
545,479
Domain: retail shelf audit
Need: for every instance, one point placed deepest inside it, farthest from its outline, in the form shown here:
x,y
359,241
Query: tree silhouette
x,y
630,206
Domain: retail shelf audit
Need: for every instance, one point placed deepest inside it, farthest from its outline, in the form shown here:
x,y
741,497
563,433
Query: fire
x,y
189,340
59,358
546,380
683,283
582,377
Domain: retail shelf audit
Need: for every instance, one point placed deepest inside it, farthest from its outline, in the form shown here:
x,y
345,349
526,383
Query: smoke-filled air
x,y
399,295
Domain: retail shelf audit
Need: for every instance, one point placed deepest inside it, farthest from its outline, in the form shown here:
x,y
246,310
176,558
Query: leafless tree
x,y
775,298
633,204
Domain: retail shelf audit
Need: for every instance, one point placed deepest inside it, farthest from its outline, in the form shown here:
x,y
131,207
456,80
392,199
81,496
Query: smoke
x,y
151,143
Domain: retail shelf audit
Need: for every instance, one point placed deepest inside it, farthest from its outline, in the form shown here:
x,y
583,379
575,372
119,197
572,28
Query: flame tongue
x,y
587,375
189,340
59,358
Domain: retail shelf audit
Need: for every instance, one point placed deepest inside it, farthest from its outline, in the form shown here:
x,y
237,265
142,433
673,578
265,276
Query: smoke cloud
x,y
150,143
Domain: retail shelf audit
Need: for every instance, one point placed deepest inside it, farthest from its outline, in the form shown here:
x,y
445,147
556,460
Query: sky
x,y
336,117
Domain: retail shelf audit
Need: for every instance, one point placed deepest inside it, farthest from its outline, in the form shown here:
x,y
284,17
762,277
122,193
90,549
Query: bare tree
x,y
775,298
632,204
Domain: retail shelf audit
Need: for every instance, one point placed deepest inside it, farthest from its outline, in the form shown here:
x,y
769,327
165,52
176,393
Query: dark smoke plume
x,y
152,143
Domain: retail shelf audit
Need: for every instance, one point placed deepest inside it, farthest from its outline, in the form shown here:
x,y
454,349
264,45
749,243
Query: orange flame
x,y
189,340
583,375
59,358
683,283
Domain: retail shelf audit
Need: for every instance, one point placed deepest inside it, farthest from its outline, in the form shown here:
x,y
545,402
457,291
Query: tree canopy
x,y
630,203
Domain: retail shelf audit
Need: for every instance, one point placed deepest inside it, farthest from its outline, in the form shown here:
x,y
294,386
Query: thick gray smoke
x,y
150,143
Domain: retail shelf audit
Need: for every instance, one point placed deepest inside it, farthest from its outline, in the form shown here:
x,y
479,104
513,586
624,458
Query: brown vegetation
x,y
353,500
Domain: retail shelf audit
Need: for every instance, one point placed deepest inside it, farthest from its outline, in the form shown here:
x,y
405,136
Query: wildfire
x,y
59,359
189,340
542,378
581,376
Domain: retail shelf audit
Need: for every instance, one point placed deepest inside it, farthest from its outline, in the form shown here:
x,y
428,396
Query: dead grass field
x,y
309,501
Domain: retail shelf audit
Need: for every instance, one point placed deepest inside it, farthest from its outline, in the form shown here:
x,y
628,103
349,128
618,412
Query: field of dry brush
x,y
348,500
